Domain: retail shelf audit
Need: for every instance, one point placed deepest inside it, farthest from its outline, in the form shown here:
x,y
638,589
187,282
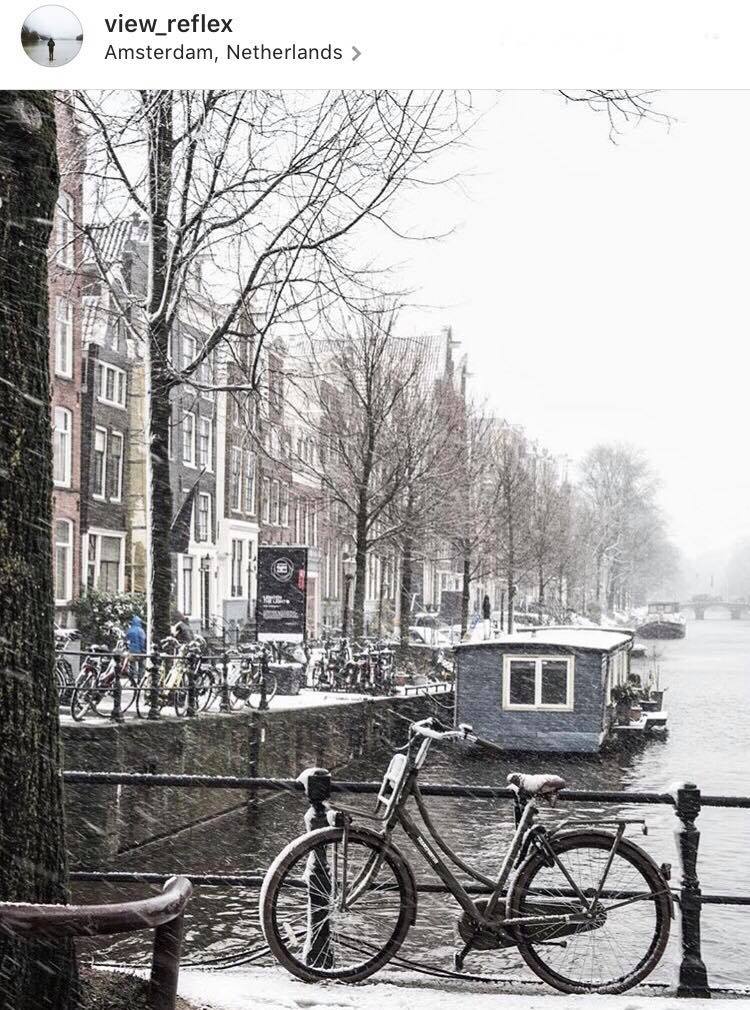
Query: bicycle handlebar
x,y
433,729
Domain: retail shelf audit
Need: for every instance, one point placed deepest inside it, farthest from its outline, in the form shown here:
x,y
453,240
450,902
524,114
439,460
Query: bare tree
x,y
514,548
264,188
33,973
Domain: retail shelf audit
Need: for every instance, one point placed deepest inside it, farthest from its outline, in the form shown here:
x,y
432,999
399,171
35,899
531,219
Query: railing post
x,y
153,692
116,713
165,964
693,979
317,783
224,705
263,703
192,699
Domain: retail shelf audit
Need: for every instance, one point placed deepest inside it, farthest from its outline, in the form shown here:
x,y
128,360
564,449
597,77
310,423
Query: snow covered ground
x,y
274,989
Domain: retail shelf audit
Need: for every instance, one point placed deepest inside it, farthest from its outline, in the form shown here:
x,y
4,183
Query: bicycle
x,y
95,684
63,670
587,909
179,663
253,681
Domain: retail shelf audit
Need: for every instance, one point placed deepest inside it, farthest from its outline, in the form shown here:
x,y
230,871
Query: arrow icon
x,y
357,54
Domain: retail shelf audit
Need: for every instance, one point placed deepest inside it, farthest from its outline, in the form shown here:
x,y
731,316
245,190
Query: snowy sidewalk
x,y
274,989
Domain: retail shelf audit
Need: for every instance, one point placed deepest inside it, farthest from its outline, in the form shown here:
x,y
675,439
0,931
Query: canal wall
x,y
104,821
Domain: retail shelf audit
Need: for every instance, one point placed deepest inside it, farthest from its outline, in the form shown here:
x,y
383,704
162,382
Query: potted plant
x,y
625,698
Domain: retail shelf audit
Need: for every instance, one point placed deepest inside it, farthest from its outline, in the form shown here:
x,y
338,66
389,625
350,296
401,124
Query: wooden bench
x,y
164,913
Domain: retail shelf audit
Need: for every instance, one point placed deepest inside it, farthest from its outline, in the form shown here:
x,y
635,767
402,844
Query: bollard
x,y
317,785
224,705
165,964
192,695
116,714
263,704
154,709
693,980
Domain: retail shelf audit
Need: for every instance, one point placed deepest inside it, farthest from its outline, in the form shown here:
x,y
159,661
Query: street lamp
x,y
350,566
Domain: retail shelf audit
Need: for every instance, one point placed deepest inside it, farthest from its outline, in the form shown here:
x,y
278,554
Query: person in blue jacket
x,y
135,636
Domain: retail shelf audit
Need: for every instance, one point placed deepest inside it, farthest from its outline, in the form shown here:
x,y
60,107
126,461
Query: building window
x,y
105,562
236,488
63,338
205,448
62,446
265,503
236,568
116,465
187,585
188,439
110,384
204,374
544,682
188,350
250,483
203,517
284,505
100,463
274,502
63,561
65,230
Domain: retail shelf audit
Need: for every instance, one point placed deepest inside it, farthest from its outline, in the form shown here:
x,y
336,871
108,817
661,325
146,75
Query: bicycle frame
x,y
399,784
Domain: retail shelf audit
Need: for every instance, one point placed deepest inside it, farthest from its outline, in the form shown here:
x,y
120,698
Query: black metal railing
x,y
687,802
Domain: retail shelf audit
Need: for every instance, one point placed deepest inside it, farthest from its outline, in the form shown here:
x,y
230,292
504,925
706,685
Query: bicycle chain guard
x,y
495,937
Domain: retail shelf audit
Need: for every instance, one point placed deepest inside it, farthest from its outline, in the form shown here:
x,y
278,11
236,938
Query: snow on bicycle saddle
x,y
547,786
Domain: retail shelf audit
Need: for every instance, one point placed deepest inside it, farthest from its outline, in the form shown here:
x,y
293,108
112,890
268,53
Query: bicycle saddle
x,y
546,786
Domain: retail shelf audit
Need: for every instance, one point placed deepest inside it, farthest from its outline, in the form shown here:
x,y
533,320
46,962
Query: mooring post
x,y
154,711
693,979
317,784
263,704
192,694
224,705
116,714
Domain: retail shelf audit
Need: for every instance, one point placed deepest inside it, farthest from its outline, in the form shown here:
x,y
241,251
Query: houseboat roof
x,y
597,639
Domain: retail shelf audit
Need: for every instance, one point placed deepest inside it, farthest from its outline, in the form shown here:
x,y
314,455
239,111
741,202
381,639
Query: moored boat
x,y
663,620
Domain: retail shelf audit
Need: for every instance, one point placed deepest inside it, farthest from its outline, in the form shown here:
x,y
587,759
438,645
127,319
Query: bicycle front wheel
x,y
255,695
336,907
624,936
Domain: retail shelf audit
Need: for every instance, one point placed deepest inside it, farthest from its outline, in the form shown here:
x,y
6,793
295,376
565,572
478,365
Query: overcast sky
x,y
55,21
601,291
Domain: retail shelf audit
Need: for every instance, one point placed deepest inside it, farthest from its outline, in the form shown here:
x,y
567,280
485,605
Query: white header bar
x,y
409,43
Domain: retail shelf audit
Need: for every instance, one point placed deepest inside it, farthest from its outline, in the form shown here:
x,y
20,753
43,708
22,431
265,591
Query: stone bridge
x,y
699,607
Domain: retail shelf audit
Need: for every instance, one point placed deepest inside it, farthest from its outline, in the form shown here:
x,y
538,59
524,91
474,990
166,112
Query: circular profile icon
x,y
282,570
51,36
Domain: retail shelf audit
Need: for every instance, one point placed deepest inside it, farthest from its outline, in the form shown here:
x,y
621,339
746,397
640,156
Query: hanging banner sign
x,y
282,594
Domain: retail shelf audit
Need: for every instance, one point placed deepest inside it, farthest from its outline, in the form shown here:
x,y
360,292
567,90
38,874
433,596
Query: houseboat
x,y
663,620
544,690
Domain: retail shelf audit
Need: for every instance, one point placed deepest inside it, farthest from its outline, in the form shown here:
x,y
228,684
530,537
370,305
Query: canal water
x,y
707,677
65,50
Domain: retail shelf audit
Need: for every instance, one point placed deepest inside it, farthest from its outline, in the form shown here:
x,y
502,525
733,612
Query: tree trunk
x,y
33,975
360,580
465,591
159,504
407,568
541,589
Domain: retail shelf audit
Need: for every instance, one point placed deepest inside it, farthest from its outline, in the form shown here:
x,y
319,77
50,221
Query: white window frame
x,y
236,572
63,337
114,436
100,495
67,432
249,459
120,384
65,229
235,478
203,496
203,421
188,340
275,504
68,547
569,706
100,532
187,610
265,500
191,461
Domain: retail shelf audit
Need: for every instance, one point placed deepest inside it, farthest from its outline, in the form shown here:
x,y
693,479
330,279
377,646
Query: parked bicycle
x,y
181,668
101,672
63,670
254,685
587,909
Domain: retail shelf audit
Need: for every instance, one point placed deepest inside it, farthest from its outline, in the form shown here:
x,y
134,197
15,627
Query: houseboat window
x,y
522,687
539,683
554,682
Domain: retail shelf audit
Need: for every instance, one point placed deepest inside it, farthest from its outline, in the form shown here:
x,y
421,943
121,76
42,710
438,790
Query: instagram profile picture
x,y
51,36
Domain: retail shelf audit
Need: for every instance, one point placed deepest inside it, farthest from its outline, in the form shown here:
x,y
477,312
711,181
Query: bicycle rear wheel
x,y
622,941
255,694
80,699
332,908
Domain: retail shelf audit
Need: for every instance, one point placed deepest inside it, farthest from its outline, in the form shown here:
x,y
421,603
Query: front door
x,y
205,594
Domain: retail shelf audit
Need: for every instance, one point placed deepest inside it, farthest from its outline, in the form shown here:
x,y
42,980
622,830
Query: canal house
x,y
546,689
